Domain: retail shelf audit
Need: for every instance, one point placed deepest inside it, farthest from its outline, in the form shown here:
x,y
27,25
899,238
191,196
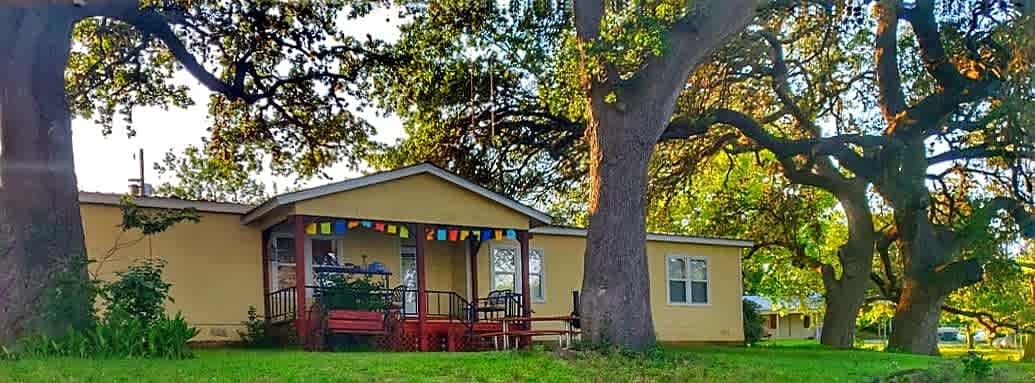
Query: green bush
x,y
134,325
753,321
976,365
256,332
117,337
140,291
343,293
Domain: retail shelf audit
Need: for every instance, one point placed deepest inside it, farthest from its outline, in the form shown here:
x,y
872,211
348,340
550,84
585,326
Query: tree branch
x,y
705,27
987,320
889,83
148,21
955,275
936,61
837,146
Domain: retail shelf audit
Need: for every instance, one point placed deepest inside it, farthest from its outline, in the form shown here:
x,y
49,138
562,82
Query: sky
x,y
105,163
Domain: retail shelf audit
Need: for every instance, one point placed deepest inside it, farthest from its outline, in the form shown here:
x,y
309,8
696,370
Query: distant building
x,y
790,319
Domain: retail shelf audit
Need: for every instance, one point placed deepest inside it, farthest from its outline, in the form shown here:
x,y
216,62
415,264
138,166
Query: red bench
x,y
355,322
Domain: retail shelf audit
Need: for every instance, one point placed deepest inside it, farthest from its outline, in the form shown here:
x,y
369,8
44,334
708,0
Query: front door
x,y
408,267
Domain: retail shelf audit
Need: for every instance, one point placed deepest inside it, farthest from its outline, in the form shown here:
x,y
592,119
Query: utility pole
x,y
137,186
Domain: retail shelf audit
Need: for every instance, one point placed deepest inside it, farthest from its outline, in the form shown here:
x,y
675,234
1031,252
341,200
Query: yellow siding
x,y
442,258
719,321
418,198
214,266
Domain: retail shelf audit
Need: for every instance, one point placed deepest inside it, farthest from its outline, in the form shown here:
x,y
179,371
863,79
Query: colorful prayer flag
x,y
486,234
353,224
441,234
429,234
464,234
310,229
511,234
392,229
367,224
498,234
325,227
452,234
380,226
404,232
339,227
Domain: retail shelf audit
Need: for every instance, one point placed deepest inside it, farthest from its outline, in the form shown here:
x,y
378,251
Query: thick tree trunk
x,y
929,277
40,226
845,295
615,300
915,326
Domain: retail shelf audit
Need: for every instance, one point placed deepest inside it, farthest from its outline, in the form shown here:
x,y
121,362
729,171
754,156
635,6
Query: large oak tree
x,y
282,75
949,112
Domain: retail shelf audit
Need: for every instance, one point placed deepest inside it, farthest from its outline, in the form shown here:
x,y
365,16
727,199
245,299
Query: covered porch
x,y
427,294
450,260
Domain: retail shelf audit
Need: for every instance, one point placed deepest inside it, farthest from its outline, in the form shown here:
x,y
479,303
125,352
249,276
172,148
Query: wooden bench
x,y
355,322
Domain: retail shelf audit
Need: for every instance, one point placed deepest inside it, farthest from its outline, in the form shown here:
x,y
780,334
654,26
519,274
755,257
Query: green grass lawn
x,y
766,363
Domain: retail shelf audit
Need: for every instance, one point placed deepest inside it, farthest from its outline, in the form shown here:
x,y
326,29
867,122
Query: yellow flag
x,y
392,229
353,224
463,235
310,229
499,234
404,232
325,227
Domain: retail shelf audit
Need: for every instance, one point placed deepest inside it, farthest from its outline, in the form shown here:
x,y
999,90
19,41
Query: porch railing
x,y
441,304
499,304
282,305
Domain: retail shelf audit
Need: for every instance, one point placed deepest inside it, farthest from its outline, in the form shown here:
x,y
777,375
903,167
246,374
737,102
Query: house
x,y
454,254
789,319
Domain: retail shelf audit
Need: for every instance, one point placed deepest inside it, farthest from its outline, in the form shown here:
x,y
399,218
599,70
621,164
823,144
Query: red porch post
x,y
265,274
301,313
526,286
473,249
422,299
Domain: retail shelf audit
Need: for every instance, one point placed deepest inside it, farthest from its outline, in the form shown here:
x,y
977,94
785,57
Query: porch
x,y
411,286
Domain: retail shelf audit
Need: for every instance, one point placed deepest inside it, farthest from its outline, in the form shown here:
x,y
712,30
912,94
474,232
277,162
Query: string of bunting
x,y
403,231
341,226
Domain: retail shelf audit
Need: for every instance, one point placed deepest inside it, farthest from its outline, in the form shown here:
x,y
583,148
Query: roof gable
x,y
393,175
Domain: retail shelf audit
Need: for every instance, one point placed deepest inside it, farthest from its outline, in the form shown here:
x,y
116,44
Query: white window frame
x,y
689,280
274,262
492,267
541,274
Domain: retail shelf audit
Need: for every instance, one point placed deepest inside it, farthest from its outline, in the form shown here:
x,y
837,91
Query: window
x,y
535,275
687,280
504,268
772,321
283,259
806,321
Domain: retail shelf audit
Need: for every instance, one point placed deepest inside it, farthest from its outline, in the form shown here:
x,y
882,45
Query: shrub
x,y
343,293
139,292
71,297
976,365
162,337
753,330
134,325
256,332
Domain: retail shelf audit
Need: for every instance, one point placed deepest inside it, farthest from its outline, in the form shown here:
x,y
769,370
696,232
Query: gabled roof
x,y
657,237
376,178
